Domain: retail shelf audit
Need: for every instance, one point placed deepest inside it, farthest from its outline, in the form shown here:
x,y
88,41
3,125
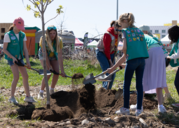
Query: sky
x,y
92,16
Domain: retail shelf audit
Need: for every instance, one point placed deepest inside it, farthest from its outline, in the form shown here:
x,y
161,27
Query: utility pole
x,y
117,11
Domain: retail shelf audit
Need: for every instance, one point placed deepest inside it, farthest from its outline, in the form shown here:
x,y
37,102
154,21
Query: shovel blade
x,y
89,79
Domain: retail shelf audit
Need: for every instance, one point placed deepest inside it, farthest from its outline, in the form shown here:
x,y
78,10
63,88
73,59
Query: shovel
x,y
101,77
56,73
40,71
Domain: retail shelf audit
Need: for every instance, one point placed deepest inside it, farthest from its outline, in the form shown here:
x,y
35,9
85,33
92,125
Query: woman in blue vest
x,y
53,47
14,47
174,54
135,51
154,78
107,47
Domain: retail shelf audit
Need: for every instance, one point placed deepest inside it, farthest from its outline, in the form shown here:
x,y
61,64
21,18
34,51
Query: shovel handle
x,y
115,71
110,73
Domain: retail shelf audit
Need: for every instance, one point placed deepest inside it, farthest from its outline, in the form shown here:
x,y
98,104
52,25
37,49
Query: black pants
x,y
177,81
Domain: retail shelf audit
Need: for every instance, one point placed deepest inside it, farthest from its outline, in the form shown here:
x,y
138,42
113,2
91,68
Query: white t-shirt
x,y
7,39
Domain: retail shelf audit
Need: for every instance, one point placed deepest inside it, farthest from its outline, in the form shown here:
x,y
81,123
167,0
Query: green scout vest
x,y
49,51
136,44
15,47
174,62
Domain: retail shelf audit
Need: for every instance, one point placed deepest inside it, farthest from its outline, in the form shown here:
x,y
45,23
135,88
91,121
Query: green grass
x,y
74,66
70,67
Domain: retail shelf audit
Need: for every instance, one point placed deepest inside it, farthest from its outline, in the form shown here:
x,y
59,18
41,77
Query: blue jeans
x,y
136,65
104,63
10,62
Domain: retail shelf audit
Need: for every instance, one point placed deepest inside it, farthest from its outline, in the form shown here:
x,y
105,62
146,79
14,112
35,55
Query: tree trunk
x,y
44,58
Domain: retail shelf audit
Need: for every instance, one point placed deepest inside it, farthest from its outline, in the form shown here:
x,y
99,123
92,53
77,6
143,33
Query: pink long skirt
x,y
155,71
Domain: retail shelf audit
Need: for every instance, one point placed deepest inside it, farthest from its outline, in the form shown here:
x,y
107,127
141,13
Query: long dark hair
x,y
173,33
115,23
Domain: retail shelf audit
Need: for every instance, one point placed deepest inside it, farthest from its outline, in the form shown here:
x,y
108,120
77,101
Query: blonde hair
x,y
129,17
49,41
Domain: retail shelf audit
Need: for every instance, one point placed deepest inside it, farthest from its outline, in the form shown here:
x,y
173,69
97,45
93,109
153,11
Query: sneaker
x,y
138,112
175,105
134,107
123,111
51,91
13,100
161,109
40,95
29,99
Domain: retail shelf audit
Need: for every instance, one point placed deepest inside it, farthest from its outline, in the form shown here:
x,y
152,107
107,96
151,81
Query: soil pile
x,y
68,104
72,104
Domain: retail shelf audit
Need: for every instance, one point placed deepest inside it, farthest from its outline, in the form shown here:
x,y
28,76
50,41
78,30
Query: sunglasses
x,y
52,28
118,30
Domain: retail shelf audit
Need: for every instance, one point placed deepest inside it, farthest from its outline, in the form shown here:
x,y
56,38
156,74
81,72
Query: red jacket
x,y
107,42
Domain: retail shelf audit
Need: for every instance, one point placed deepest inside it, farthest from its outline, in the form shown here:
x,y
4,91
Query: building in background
x,y
162,31
4,27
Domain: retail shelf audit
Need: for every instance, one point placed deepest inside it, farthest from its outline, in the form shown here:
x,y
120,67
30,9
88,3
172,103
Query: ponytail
x,y
115,23
112,23
11,27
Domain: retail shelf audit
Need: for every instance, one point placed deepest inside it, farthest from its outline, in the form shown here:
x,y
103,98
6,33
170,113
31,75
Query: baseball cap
x,y
19,22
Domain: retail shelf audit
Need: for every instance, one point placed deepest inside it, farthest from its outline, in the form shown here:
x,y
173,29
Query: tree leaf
x,y
28,7
36,14
61,6
59,10
36,4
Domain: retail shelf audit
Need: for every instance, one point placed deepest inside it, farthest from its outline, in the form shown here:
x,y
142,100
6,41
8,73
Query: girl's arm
x,y
121,60
60,59
26,55
175,55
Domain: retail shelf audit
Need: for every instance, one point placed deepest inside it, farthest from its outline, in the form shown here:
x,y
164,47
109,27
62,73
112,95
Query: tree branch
x,y
52,18
37,6
46,5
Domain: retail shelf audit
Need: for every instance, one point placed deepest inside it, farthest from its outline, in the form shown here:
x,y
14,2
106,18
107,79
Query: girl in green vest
x,y
174,54
14,47
135,51
53,47
154,78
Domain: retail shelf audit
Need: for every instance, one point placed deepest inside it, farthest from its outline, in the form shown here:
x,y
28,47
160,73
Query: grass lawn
x,y
74,66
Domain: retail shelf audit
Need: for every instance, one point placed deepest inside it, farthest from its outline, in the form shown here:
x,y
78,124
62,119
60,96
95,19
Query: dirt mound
x,y
55,114
87,97
72,104
68,104
105,98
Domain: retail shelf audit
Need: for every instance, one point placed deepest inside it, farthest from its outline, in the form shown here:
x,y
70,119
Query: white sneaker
x,y
40,95
13,100
51,91
134,107
138,112
123,111
161,109
29,99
